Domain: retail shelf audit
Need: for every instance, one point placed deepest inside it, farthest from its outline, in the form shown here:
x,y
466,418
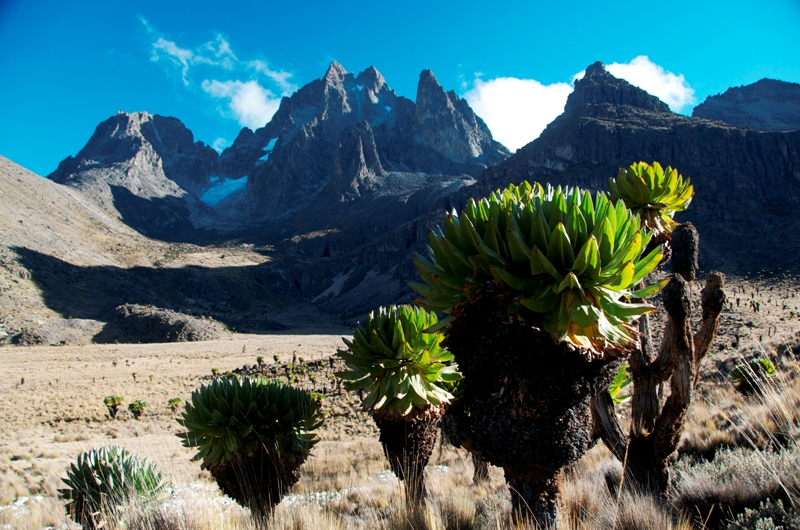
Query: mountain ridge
x,y
347,247
766,105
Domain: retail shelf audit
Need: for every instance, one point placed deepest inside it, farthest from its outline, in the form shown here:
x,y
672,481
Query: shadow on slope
x,y
246,299
166,218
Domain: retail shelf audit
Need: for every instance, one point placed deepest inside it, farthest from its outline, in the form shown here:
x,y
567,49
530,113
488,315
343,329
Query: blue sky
x,y
66,66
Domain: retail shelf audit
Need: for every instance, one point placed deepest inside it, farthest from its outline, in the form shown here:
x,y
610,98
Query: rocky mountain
x,y
747,183
336,140
145,168
766,105
343,184
344,136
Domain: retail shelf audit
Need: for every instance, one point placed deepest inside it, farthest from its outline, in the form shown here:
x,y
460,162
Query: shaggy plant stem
x,y
408,445
536,494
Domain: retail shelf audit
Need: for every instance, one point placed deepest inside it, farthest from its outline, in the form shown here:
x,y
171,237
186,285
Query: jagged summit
x,y
447,123
338,139
598,90
372,79
336,72
766,105
360,130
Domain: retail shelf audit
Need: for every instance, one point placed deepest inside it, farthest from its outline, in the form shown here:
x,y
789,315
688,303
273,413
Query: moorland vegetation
x,y
548,325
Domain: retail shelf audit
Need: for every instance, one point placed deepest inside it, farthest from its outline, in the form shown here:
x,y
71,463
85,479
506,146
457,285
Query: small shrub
x,y
103,480
113,404
768,516
174,403
137,408
751,376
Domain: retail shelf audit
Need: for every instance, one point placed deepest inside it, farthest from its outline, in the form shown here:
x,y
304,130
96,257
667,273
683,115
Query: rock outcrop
x,y
766,105
147,324
745,181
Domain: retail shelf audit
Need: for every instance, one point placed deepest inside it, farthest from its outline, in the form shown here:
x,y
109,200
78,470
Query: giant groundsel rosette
x,y
572,258
230,419
652,193
399,365
102,481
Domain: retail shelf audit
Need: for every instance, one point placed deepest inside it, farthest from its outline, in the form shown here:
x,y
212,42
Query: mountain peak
x,y
372,79
599,88
430,92
427,79
335,73
595,69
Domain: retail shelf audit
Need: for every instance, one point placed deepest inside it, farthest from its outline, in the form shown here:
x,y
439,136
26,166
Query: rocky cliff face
x,y
747,183
341,136
766,105
145,167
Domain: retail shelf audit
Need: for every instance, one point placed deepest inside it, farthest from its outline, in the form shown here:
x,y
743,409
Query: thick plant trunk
x,y
657,421
258,482
644,472
455,431
408,444
536,493
528,397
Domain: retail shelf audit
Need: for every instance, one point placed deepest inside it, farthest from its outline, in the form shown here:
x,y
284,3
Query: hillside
x,y
67,268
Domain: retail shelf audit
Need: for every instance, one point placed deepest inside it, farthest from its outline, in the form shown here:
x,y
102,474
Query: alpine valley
x,y
312,220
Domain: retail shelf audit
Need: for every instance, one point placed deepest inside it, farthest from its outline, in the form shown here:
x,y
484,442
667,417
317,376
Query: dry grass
x,y
58,413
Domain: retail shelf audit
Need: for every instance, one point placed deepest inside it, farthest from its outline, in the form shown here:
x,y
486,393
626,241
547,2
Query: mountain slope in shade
x,y
747,183
68,266
766,105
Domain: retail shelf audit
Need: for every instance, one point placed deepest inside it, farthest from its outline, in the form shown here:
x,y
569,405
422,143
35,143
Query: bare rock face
x,y
447,124
144,167
766,105
746,182
344,135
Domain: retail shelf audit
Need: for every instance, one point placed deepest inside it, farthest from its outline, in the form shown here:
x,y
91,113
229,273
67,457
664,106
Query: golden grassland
x,y
736,448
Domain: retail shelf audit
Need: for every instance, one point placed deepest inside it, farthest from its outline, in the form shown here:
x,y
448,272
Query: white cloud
x,y
179,56
670,88
280,78
251,104
517,110
247,86
220,144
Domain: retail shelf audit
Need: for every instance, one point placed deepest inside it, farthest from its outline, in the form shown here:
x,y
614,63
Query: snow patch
x,y
222,190
268,150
